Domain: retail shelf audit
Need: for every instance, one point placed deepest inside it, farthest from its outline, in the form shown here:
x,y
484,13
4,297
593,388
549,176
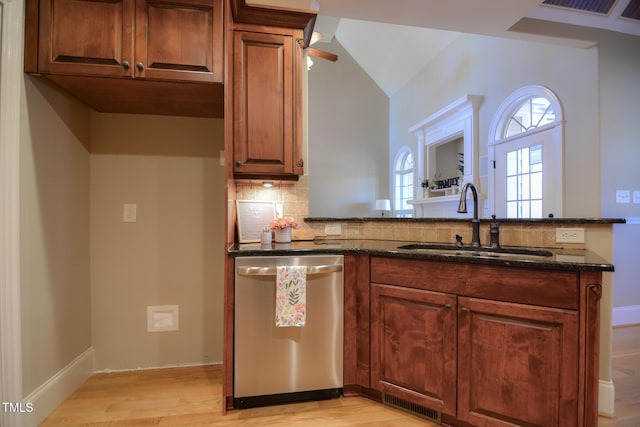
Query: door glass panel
x,y
524,182
512,163
536,185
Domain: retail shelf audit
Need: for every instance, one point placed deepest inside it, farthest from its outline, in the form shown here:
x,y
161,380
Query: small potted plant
x,y
429,185
282,229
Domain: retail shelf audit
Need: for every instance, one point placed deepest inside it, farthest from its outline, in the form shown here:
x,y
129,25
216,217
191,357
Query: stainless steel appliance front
x,y
275,364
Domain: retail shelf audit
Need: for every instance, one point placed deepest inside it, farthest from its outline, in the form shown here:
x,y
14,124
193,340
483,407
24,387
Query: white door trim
x,y
12,32
500,120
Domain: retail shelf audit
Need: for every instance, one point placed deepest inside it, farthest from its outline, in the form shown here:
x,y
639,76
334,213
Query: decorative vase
x,y
282,235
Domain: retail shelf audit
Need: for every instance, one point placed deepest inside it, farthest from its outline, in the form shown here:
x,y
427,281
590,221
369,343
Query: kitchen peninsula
x,y
462,336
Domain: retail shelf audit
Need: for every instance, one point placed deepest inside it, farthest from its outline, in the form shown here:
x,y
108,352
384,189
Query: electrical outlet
x,y
569,235
333,229
130,214
623,196
636,196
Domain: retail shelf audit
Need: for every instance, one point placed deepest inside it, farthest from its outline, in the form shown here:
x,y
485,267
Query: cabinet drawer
x,y
537,287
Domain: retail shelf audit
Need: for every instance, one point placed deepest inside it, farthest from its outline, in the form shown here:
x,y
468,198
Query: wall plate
x,y
569,235
163,318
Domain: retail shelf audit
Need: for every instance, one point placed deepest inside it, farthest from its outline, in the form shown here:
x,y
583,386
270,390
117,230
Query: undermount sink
x,y
473,251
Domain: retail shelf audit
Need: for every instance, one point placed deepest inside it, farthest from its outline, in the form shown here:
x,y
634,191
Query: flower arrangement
x,y
282,223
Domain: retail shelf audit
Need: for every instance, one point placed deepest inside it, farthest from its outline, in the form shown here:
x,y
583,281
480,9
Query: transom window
x,y
534,112
403,185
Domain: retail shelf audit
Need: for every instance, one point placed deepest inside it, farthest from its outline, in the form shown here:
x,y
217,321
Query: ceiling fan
x,y
322,54
316,36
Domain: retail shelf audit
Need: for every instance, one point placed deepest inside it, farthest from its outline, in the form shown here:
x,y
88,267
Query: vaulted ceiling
x,y
411,32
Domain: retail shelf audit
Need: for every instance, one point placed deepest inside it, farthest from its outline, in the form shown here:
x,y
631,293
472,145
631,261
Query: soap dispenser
x,y
494,233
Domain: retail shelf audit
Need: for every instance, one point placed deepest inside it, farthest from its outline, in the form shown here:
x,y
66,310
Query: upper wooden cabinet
x,y
131,56
265,72
179,40
266,103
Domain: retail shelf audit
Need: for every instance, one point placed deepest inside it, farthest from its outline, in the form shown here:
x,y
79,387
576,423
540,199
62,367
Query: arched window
x,y
532,113
403,183
525,150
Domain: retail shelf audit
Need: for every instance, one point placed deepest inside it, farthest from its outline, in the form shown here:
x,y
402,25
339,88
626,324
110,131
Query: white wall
x,y
494,68
619,64
348,138
172,255
54,231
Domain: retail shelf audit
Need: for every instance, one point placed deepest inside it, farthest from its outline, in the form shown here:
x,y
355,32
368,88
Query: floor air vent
x,y
421,411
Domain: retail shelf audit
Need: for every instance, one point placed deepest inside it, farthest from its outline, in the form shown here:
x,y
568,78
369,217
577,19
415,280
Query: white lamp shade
x,y
383,205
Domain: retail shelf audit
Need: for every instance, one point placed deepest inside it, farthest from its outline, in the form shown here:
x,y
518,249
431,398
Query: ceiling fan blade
x,y
323,54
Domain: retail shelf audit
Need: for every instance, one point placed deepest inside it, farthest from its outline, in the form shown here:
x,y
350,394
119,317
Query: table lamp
x,y
383,205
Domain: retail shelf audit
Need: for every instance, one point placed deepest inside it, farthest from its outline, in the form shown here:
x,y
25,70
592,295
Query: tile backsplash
x,y
294,198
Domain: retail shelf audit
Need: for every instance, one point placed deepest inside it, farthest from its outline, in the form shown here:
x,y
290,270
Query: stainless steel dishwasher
x,y
287,364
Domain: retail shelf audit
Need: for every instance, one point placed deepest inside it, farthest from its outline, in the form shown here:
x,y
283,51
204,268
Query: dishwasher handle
x,y
271,271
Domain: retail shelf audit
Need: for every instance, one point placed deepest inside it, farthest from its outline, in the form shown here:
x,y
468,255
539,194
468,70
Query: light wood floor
x,y
192,397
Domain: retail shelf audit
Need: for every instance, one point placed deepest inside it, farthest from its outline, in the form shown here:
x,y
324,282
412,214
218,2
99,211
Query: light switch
x,y
130,212
623,196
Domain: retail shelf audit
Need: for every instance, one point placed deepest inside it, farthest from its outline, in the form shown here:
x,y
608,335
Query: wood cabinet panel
x,y
548,288
357,319
86,37
517,364
131,56
413,345
526,340
179,40
267,104
154,39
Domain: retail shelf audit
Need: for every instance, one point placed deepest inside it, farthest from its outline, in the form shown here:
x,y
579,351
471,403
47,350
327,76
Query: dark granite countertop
x,y
461,219
560,259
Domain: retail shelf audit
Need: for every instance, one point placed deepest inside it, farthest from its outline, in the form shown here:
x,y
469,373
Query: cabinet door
x,y
413,346
263,104
86,37
179,40
516,364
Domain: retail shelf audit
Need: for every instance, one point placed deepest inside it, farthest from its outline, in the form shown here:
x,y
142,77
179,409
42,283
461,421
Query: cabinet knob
x,y
238,163
125,65
139,66
447,306
464,310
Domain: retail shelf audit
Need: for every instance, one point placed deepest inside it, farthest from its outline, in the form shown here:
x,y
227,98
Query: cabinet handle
x,y
139,66
125,65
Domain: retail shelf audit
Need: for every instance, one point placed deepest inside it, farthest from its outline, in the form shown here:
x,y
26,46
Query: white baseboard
x,y
148,368
626,315
56,389
606,399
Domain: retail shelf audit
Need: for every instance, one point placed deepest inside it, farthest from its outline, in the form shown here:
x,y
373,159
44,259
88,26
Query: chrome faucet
x,y
462,208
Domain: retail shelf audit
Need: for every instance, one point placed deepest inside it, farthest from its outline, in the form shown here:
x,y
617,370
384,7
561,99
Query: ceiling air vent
x,y
421,411
596,6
